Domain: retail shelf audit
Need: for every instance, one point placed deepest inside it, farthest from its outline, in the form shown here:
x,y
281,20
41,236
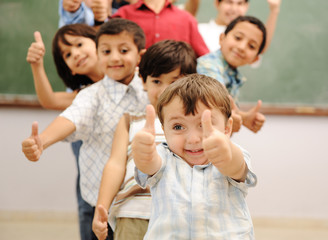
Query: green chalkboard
x,y
18,20
293,70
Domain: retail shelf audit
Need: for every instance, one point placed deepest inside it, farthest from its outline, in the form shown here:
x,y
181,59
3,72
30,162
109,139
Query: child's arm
x,y
253,119
144,150
221,152
47,97
272,21
112,178
34,145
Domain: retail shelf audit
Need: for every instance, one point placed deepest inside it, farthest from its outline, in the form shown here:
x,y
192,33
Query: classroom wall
x,y
289,157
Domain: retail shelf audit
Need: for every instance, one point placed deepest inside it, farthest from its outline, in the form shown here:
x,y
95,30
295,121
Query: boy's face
x,y
81,56
184,134
156,85
118,56
241,45
228,10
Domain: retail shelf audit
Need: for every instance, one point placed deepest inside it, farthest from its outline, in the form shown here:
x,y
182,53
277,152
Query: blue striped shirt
x,y
196,202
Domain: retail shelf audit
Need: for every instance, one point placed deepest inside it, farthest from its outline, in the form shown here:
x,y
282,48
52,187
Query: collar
x,y
117,90
141,4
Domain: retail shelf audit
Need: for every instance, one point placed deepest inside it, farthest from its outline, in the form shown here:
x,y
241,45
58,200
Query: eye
x,y
105,51
251,46
79,44
67,55
238,38
156,81
123,51
177,127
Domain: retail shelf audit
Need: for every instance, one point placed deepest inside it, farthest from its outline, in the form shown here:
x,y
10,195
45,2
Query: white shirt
x,y
95,113
211,34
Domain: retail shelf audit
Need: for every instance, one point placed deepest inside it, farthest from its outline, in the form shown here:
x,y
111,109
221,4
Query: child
x,y
79,41
228,10
241,43
199,179
161,20
96,110
163,63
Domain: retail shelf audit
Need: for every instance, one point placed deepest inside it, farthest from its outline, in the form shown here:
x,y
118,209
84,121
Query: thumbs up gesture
x,y
99,223
32,146
216,144
253,119
143,145
36,51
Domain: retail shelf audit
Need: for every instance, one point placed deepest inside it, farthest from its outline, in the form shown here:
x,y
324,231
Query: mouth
x,y
116,66
194,151
81,62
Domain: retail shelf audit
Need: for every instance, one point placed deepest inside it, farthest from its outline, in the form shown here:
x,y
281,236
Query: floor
x,y
67,228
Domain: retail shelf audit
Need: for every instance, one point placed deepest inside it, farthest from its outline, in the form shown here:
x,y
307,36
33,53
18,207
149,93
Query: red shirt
x,y
170,23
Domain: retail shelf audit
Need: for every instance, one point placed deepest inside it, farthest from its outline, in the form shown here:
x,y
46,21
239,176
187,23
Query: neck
x,y
155,5
219,21
96,75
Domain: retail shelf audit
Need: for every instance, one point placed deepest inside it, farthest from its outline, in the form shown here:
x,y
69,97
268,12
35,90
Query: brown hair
x,y
193,88
165,56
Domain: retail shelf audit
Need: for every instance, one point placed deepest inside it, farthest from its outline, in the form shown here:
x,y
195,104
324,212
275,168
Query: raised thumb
x,y
207,123
150,119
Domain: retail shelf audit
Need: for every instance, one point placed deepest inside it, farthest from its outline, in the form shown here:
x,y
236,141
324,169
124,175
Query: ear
x,y
255,59
141,53
228,127
222,37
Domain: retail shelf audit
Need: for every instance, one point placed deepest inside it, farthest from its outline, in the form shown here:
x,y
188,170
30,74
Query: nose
x,y
194,136
114,56
242,45
75,53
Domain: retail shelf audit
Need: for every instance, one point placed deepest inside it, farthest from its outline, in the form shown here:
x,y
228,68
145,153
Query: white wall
x,y
289,156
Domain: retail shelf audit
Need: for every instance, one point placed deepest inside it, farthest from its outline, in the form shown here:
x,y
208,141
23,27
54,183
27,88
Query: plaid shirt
x,y
214,65
196,202
95,113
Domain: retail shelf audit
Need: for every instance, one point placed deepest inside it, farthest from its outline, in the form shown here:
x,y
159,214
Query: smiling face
x,y
81,56
118,56
228,10
241,45
184,134
156,85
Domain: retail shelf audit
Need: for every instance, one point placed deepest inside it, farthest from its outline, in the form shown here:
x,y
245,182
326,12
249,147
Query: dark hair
x,y
194,88
166,56
252,20
118,25
77,81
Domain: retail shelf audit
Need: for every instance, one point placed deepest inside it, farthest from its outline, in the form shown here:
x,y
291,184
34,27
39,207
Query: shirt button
x,y
157,17
157,35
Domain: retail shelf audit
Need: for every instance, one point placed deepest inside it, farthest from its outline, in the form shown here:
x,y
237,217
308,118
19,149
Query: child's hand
x,y
237,119
144,147
36,51
216,144
274,4
253,119
71,5
99,223
100,9
143,144
32,146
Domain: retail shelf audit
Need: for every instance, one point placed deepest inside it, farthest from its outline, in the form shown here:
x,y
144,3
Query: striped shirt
x,y
196,202
95,112
132,201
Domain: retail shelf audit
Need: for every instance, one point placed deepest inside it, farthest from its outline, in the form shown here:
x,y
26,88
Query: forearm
x,y
112,178
271,26
234,165
47,97
192,6
58,130
149,167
